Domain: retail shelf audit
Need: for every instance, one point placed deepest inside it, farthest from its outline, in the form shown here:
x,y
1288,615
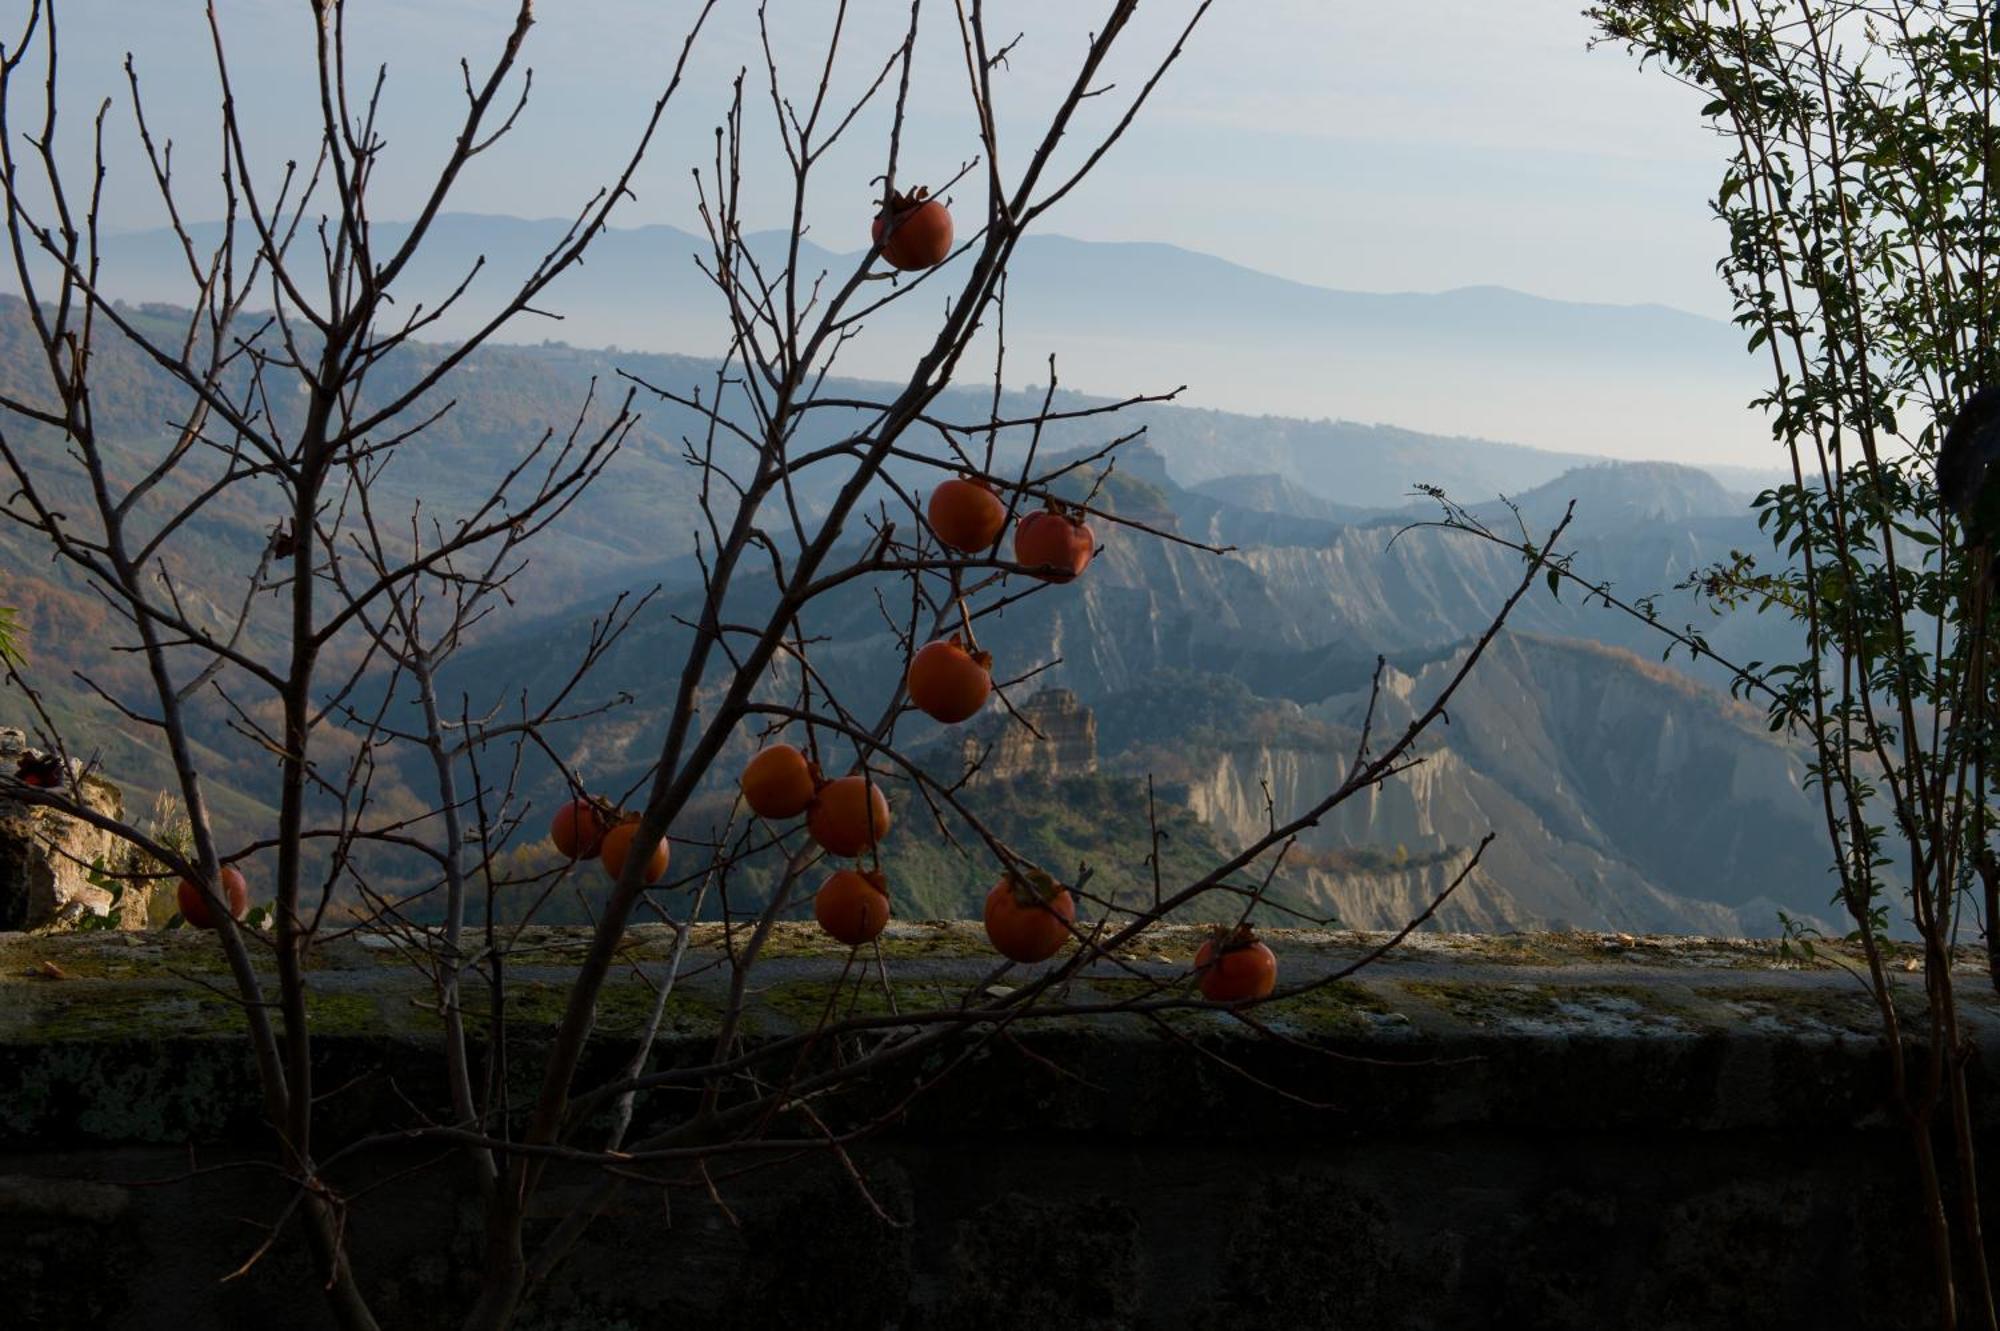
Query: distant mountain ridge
x,y
1271,492
1628,381
1612,496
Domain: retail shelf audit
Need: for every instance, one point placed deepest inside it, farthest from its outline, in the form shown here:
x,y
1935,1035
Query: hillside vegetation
x,y
1228,679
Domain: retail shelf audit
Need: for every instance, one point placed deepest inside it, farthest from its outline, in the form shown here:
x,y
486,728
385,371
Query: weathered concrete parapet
x,y
1557,1132
45,856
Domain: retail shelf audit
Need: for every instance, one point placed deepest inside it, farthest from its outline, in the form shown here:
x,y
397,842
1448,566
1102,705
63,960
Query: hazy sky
x,y
1373,145
1413,145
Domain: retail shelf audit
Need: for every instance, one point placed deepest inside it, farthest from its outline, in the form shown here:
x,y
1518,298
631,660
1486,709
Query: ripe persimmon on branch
x,y
301,385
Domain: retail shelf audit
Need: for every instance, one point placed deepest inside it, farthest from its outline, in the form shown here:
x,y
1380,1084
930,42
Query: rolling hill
x,y
1268,642
1626,794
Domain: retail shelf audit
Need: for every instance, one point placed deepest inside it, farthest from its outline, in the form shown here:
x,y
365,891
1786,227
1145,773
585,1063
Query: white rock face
x,y
1062,743
1623,797
45,856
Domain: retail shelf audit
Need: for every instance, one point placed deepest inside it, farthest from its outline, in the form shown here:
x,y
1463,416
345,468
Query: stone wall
x,y
1575,1131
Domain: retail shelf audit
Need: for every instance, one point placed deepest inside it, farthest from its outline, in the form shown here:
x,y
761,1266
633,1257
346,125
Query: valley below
x,y
1183,699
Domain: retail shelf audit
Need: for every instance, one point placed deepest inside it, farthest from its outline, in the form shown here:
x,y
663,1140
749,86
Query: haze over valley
x,y
1625,794
1626,381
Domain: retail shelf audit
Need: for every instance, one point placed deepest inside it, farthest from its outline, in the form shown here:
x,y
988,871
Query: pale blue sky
x,y
1372,145
1414,145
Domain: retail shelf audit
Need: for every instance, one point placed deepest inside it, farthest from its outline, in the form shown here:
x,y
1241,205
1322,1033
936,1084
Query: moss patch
x,y
806,1004
1481,1003
938,941
332,1013
79,1009
1329,1009
94,1011
1602,1009
1129,989
1840,1011
622,1009
101,956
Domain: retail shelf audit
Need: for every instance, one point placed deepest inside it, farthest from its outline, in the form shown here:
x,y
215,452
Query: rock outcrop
x,y
45,856
1622,796
1065,747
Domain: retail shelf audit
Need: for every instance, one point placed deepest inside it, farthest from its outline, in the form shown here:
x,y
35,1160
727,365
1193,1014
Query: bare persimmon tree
x,y
300,380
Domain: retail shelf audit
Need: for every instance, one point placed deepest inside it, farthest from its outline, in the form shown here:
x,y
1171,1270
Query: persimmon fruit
x,y
949,683
578,829
1234,966
42,771
195,908
914,231
618,844
853,905
849,815
966,515
779,782
1028,916
1055,542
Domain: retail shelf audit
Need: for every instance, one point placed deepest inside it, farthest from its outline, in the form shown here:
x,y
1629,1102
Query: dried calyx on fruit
x,y
1234,965
914,230
1053,543
1028,915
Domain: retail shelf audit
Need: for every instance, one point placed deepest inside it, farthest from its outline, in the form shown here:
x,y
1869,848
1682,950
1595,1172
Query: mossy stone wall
x,y
1564,1132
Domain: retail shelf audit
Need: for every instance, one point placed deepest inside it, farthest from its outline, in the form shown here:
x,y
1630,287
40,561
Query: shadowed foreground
x,y
1555,1131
